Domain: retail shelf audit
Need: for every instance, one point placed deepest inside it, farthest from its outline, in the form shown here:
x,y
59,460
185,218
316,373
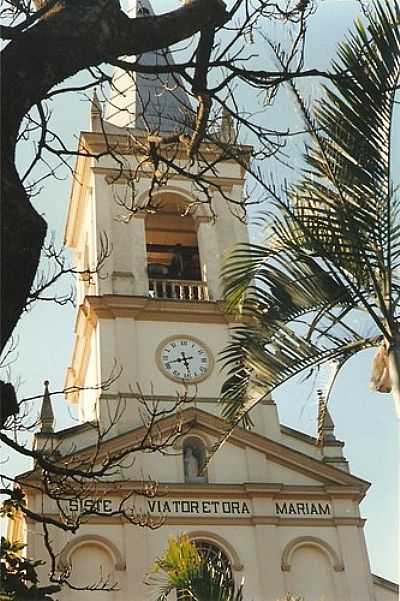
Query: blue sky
x,y
365,421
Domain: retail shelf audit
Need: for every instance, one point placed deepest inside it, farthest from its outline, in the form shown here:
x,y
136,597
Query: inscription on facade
x,y
304,508
90,505
167,506
198,507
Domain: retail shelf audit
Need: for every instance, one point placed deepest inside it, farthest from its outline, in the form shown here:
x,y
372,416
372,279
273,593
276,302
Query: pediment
x,y
246,458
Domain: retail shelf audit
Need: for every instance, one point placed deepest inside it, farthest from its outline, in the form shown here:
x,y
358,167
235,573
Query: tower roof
x,y
147,102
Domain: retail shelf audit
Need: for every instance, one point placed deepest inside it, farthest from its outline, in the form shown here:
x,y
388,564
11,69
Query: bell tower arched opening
x,y
173,260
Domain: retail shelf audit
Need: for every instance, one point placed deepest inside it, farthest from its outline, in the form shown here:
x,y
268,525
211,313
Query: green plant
x,y
332,246
182,568
19,577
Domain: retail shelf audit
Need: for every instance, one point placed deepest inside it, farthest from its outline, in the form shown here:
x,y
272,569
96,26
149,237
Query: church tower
x,y
280,510
152,313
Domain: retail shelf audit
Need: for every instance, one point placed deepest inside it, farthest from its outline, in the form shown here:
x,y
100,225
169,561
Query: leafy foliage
x,y
10,506
332,243
19,577
195,578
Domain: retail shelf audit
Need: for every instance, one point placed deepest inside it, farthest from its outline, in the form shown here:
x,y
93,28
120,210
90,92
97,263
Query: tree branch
x,y
80,36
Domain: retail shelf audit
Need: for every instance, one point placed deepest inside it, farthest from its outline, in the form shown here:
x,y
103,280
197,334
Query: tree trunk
x,y
72,37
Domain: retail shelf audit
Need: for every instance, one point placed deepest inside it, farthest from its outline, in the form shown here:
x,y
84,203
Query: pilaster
x,y
210,258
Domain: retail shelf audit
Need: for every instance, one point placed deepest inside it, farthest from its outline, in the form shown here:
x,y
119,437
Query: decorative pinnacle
x,y
46,413
96,113
325,425
227,130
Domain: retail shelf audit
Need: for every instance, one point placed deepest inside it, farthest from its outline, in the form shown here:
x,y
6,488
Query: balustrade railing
x,y
186,290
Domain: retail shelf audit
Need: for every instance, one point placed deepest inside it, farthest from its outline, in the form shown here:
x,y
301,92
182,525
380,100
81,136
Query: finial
x,y
96,113
325,425
46,413
227,130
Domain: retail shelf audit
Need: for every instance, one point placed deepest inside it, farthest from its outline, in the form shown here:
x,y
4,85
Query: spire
x,y
325,425
46,413
96,113
154,102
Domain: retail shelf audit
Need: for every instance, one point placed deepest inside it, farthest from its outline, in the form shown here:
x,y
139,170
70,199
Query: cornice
x,y
385,583
144,308
245,491
115,176
261,520
129,143
286,430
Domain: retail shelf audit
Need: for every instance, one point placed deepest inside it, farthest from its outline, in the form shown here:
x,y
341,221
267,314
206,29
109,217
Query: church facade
x,y
281,510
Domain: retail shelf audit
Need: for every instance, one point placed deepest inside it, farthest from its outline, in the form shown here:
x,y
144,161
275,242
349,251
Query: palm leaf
x,y
348,181
257,364
333,242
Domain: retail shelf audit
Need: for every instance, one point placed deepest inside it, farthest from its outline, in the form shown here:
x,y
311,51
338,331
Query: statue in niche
x,y
192,461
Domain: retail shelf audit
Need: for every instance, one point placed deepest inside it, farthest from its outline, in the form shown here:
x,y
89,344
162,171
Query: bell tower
x,y
152,313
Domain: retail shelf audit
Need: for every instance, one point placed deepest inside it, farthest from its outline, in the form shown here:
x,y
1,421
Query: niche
x,y
194,459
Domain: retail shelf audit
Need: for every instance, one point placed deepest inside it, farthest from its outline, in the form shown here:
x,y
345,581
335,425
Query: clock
x,y
184,359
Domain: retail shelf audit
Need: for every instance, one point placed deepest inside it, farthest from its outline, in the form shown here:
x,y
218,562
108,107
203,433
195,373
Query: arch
x,y
200,211
215,539
172,245
313,541
64,560
194,433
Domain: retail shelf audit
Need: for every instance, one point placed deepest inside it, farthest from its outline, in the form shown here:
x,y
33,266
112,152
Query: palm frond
x,y
258,364
281,282
345,194
334,240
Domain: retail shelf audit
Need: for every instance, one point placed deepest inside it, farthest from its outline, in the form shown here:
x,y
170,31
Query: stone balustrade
x,y
185,290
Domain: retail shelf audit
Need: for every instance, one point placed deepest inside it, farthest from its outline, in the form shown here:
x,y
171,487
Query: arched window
x,y
194,459
217,558
213,554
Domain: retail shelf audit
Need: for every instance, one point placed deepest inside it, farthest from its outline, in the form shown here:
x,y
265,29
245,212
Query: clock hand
x,y
185,360
181,360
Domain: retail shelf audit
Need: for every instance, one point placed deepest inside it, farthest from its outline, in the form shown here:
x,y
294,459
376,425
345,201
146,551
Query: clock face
x,y
184,359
